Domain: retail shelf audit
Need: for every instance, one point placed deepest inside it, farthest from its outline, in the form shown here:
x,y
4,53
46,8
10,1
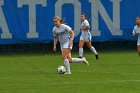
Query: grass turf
x,y
115,72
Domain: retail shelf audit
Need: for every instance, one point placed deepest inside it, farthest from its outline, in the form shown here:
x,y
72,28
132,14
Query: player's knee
x,y
80,46
138,50
64,57
70,60
89,46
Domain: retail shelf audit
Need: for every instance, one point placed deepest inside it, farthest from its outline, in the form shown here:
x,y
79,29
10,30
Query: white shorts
x,y
66,45
86,38
138,42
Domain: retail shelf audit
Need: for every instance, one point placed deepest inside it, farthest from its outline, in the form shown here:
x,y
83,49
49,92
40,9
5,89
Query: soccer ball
x,y
61,70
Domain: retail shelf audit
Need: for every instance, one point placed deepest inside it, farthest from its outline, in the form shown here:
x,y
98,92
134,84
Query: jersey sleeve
x,y
68,28
86,23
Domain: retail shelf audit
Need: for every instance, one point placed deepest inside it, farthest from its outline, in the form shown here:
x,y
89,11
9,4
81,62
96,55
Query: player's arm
x,y
55,43
134,32
71,33
72,37
55,40
86,27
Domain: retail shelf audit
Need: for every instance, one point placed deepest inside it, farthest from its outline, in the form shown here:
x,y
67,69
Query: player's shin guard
x,y
67,65
93,50
81,52
77,60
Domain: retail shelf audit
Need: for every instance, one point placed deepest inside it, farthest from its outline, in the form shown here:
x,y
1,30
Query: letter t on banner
x,y
32,15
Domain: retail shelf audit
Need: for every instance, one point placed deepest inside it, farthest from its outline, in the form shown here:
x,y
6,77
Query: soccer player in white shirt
x,y
86,37
136,32
65,35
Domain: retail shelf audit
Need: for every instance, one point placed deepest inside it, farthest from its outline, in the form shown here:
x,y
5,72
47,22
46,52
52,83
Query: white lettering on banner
x,y
113,26
77,12
32,15
96,7
3,24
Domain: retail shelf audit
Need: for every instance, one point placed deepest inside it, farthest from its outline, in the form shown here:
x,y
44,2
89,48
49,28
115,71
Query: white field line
x,y
86,71
92,71
93,82
71,83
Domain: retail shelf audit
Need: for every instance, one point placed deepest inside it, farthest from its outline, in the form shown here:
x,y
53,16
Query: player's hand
x,y
71,42
54,48
133,35
81,27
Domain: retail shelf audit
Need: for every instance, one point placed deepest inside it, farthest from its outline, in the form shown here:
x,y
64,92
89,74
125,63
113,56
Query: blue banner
x,y
30,21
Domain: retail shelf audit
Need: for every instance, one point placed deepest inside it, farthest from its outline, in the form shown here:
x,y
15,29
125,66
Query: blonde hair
x,y
59,19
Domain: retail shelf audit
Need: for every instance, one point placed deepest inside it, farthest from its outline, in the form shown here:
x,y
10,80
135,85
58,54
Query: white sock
x,y
93,50
76,60
67,64
81,52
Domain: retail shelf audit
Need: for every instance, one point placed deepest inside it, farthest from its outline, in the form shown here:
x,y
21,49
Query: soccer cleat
x,y
67,72
85,61
97,57
80,57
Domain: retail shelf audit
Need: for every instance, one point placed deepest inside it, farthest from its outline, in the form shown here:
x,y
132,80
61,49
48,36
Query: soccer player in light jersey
x,y
65,35
136,32
86,37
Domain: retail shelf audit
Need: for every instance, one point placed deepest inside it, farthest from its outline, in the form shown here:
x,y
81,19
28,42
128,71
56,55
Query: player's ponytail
x,y
62,21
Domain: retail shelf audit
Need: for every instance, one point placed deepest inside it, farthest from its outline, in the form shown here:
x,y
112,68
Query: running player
x,y
65,35
136,31
85,37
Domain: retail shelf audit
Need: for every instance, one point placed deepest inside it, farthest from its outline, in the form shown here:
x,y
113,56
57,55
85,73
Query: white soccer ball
x,y
61,70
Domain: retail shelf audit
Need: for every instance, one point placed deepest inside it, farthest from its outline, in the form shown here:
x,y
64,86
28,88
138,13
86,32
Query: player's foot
x,y
85,61
80,57
67,72
97,57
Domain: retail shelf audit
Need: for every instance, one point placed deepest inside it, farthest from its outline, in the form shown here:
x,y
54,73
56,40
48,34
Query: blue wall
x,y
108,22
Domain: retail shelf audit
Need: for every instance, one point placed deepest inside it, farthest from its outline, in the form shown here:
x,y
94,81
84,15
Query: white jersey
x,y
136,30
62,33
86,35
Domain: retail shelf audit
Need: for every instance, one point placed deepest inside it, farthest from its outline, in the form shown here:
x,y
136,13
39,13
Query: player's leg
x,y
65,53
81,44
93,50
138,49
77,60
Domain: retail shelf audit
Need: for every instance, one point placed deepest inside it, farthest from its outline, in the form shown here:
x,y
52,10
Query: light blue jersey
x,y
86,35
136,31
62,33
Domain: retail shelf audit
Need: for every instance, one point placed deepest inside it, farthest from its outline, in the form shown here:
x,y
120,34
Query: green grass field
x,y
115,72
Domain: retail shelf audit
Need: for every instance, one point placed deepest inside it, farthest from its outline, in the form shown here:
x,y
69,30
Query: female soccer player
x,y
65,35
85,37
136,31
